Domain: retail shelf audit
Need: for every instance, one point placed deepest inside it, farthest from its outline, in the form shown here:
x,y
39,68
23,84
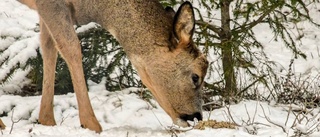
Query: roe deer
x,y
157,41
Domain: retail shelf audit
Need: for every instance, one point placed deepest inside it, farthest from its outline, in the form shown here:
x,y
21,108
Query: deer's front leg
x,y
58,19
49,56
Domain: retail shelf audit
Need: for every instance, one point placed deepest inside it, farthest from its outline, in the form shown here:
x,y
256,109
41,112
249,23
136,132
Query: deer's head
x,y
175,75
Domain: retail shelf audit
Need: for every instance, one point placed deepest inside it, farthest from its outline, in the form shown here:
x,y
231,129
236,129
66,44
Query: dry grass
x,y
214,124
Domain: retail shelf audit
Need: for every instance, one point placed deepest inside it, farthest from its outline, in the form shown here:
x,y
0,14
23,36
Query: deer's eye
x,y
195,79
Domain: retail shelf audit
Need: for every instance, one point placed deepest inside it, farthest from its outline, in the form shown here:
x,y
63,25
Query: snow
x,y
87,27
124,113
17,30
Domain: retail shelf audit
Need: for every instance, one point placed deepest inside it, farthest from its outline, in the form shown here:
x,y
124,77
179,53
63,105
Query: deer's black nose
x,y
191,117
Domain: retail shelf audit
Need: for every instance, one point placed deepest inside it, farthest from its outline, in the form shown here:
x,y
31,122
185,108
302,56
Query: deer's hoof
x,y
92,124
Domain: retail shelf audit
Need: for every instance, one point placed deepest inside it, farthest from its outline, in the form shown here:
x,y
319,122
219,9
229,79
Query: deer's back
x,y
142,23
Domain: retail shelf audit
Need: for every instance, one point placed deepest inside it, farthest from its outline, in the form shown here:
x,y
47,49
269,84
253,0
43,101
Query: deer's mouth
x,y
182,120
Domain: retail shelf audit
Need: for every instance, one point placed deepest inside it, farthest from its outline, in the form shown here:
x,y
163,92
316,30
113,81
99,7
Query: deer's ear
x,y
183,24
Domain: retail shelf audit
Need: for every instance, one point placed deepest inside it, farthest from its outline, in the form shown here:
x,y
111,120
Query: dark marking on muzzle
x,y
196,115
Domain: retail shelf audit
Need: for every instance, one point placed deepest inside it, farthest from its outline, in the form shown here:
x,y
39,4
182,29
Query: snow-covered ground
x,y
124,113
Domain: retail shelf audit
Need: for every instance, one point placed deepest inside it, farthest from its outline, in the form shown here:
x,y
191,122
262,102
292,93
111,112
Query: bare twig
x,y
230,115
303,119
170,130
313,127
63,119
13,122
249,118
255,22
255,113
270,121
212,27
290,108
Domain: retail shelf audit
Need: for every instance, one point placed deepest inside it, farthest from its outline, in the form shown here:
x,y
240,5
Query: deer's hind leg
x,y
49,56
57,17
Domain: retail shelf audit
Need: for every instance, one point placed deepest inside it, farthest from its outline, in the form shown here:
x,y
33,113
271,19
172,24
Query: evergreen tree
x,y
225,28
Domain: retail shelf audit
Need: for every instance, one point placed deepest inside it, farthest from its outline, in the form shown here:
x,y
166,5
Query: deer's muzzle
x,y
182,120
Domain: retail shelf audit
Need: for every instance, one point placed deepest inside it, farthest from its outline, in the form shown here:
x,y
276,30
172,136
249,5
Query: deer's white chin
x,y
181,123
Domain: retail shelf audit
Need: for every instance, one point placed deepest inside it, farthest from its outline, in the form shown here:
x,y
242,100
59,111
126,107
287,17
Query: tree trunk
x,y
226,51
